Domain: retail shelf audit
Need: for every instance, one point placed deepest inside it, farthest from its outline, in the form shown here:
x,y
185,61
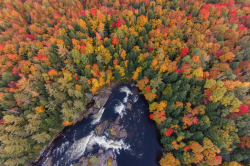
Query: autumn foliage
x,y
190,60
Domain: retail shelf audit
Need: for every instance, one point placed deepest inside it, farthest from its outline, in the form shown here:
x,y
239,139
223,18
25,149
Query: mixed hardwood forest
x,y
190,59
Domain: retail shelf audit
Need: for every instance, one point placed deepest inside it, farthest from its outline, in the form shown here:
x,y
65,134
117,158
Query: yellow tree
x,y
229,56
168,160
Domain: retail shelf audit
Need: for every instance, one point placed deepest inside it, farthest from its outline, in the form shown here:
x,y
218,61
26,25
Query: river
x,y
140,147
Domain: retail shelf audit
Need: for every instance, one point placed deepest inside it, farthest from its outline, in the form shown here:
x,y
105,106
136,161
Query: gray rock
x,y
95,110
101,159
114,127
102,98
122,134
89,96
128,105
135,90
101,128
100,151
118,119
49,162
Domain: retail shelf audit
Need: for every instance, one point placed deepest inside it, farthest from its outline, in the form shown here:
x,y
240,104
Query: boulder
x,y
89,96
101,158
95,110
101,128
122,134
128,105
115,129
135,90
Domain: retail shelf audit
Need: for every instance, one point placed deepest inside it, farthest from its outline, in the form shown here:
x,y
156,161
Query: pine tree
x,y
233,65
72,35
145,39
172,78
7,77
111,50
117,74
54,59
143,32
131,43
151,15
197,136
212,106
149,73
182,96
131,67
170,108
75,26
188,134
78,36
175,86
141,44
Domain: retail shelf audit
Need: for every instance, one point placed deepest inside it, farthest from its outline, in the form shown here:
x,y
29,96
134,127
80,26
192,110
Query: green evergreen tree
x,y
140,43
75,26
131,43
131,67
169,108
8,76
151,15
54,59
149,73
172,78
136,5
78,36
111,50
143,32
72,35
3,83
145,39
117,74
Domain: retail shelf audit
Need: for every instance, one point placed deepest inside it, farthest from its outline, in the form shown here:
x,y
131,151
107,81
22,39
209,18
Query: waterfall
x,y
97,117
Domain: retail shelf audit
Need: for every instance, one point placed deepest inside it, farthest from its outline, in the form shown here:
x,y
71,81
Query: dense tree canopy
x,y
190,59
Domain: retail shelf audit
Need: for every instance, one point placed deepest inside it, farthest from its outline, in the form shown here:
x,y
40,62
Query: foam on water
x,y
61,149
97,117
79,147
127,91
106,144
135,99
120,109
86,144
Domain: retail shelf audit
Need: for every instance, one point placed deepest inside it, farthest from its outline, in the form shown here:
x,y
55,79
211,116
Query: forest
x,y
190,59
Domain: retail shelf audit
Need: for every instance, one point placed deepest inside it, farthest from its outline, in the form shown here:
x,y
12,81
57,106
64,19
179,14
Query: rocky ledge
x,y
103,158
113,129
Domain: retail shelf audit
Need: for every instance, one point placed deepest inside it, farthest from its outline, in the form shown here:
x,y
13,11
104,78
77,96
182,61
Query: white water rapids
x,y
127,91
85,144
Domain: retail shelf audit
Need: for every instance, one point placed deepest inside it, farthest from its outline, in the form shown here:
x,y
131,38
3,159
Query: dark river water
x,y
141,147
